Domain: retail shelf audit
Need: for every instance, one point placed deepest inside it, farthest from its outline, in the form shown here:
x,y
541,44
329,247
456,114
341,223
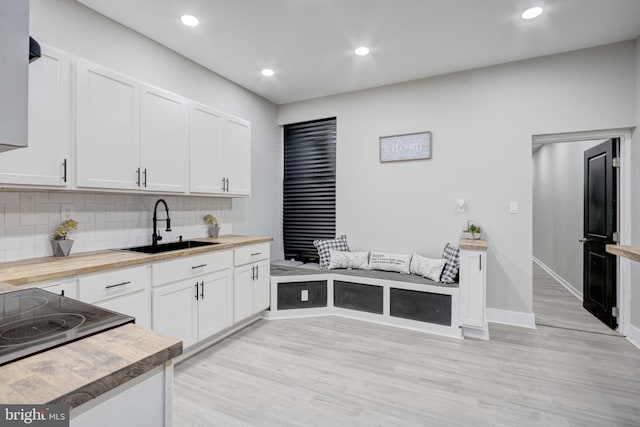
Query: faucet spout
x,y
156,232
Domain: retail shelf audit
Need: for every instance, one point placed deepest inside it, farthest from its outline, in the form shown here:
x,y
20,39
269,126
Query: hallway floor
x,y
555,306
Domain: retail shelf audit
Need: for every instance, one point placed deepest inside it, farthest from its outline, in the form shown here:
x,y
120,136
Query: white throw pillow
x,y
340,259
427,267
390,262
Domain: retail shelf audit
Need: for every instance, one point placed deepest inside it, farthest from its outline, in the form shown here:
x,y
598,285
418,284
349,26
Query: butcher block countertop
x,y
631,252
36,270
77,372
473,245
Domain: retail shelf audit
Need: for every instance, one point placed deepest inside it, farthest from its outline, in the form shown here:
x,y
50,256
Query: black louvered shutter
x,y
309,187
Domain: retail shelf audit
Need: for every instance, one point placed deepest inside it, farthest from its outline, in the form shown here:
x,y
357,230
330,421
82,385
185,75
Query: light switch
x,y
514,207
304,295
66,212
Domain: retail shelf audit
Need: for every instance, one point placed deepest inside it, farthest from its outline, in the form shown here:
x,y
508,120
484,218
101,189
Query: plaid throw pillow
x,y
452,257
323,246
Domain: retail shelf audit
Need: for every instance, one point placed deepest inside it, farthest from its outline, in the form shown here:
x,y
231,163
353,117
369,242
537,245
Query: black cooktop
x,y
34,320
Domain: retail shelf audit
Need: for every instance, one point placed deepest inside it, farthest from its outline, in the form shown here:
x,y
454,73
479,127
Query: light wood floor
x,y
553,305
332,371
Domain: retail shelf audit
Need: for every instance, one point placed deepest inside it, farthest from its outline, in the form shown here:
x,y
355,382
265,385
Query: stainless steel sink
x,y
175,246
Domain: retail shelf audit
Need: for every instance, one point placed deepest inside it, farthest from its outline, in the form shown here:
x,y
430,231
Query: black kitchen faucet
x,y
156,232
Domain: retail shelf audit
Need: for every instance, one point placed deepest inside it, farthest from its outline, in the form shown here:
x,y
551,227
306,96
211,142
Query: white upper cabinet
x,y
108,129
47,159
163,141
129,136
237,154
206,150
220,152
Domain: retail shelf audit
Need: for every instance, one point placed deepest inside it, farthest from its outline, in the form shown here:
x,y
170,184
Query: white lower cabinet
x,y
243,292
251,281
175,311
144,401
125,291
473,273
66,288
194,309
251,290
215,303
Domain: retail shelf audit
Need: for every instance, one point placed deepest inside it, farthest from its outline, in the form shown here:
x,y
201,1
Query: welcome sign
x,y
413,146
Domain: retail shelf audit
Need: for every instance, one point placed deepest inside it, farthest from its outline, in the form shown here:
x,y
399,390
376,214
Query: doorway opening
x,y
580,181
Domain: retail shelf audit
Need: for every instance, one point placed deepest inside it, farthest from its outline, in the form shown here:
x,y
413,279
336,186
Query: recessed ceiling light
x,y
362,51
189,20
532,12
267,72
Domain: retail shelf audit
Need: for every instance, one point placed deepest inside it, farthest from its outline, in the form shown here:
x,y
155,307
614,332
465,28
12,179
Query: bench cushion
x,y
279,270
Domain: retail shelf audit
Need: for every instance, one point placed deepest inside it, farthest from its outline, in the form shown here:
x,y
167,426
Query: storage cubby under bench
x,y
389,298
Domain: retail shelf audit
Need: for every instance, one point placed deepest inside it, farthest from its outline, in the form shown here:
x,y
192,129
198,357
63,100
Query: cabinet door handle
x,y
145,177
480,262
62,293
256,253
64,168
223,184
196,285
198,266
202,290
257,272
117,284
253,272
138,177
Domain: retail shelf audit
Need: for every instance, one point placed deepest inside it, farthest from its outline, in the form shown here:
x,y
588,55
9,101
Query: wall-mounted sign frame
x,y
411,146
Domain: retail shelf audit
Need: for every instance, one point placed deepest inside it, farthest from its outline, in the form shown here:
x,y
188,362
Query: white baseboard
x,y
633,335
512,318
576,293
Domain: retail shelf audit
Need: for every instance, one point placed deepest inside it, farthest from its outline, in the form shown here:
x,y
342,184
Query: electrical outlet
x,y
304,295
514,207
67,212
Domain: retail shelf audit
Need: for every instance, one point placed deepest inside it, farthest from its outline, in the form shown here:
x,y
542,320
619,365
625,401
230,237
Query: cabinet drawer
x,y
421,306
134,305
357,296
97,287
65,287
293,295
191,266
247,254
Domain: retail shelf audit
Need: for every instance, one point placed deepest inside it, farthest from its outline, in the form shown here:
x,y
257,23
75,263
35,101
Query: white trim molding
x,y
633,335
576,293
624,208
512,318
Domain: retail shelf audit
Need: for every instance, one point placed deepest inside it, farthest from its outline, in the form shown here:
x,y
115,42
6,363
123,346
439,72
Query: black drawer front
x,y
289,294
356,296
421,306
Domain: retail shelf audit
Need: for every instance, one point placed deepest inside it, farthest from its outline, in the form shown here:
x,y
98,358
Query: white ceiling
x,y
309,43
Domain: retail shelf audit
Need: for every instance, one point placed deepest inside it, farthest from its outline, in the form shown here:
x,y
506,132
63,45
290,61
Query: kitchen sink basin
x,y
175,246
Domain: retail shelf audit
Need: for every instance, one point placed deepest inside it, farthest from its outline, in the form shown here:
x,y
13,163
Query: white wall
x,y
558,206
72,27
635,203
482,123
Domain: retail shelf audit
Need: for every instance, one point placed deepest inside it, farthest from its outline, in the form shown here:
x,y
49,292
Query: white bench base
x,y
452,330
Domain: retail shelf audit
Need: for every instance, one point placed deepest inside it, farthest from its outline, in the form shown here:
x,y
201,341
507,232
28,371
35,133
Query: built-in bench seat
x,y
404,300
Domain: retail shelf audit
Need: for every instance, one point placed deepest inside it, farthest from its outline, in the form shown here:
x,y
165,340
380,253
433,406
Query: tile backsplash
x,y
105,221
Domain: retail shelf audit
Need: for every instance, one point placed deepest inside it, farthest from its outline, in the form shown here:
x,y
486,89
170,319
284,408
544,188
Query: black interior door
x,y
600,223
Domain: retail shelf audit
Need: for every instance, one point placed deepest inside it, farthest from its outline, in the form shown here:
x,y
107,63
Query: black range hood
x,y
34,49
